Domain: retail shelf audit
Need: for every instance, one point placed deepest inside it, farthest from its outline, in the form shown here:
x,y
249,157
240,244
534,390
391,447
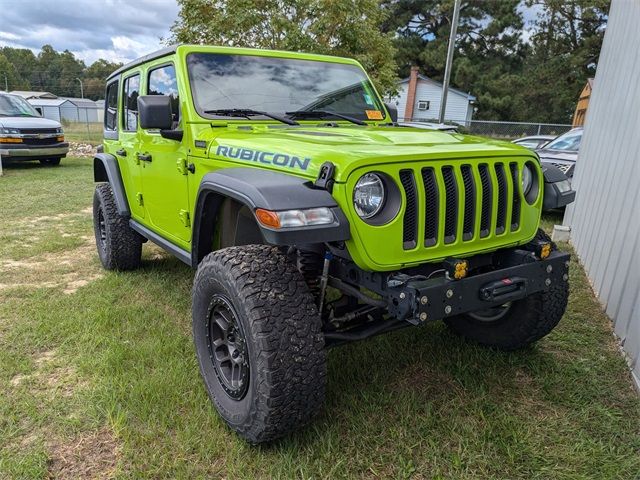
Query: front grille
x,y
40,141
35,131
487,199
451,205
469,206
515,209
461,203
502,198
410,221
432,201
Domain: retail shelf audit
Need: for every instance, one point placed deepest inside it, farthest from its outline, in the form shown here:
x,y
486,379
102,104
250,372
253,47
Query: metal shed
x,y
605,218
49,108
27,94
79,110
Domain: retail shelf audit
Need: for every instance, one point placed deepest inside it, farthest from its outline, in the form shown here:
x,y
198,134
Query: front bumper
x,y
513,275
33,152
439,298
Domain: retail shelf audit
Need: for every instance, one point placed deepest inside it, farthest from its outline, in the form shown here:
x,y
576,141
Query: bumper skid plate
x,y
434,299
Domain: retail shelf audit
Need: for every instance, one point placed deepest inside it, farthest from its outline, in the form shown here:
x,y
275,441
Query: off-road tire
x,y
119,246
50,162
527,321
283,339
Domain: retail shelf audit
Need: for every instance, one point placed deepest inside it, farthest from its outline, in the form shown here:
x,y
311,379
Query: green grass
x,y
91,133
102,380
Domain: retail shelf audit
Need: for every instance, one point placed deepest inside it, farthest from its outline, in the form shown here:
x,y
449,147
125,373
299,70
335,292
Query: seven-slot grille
x,y
462,202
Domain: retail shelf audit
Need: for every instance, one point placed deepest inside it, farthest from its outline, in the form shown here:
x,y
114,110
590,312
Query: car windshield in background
x,y
280,85
14,106
570,142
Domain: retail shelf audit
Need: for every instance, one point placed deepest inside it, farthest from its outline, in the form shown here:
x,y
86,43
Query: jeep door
x,y
126,149
165,180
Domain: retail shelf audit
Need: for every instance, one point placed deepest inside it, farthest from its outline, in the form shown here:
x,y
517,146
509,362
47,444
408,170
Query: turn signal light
x,y
295,218
10,140
268,218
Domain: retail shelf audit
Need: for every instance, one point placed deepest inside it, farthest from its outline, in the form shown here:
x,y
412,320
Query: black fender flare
x,y
554,197
106,169
275,191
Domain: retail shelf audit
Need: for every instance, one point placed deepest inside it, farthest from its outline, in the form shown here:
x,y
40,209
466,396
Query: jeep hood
x,y
349,148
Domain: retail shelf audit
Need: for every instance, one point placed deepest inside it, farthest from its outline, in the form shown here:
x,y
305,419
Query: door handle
x,y
144,157
121,153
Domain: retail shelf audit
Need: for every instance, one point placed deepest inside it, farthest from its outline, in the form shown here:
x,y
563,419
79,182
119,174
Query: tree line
x,y
524,60
50,71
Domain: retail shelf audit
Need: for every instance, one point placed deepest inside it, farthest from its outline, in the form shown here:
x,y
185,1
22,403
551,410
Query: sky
x,y
117,30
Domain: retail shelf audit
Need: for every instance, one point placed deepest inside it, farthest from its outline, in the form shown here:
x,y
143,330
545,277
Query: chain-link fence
x,y
512,130
504,130
83,132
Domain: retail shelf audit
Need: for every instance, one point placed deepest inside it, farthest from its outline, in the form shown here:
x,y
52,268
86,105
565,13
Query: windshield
x,y
279,85
570,142
14,106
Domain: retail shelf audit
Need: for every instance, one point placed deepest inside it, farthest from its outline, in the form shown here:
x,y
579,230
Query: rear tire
x,y
521,323
253,308
119,246
50,162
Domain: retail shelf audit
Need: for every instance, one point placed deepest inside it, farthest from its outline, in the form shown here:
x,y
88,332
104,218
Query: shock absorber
x,y
324,280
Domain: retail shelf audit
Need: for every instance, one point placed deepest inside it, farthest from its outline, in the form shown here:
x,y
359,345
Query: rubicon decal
x,y
270,158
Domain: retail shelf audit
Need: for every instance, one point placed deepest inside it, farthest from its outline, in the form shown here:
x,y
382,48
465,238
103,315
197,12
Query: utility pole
x,y
6,84
447,68
81,88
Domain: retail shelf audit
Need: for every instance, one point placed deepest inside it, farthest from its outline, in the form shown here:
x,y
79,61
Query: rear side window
x,y
162,81
131,93
111,107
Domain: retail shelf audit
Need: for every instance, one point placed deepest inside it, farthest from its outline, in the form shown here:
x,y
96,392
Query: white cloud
x,y
117,30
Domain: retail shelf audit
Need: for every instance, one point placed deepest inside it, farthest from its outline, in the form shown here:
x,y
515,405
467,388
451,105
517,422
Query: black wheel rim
x,y
491,315
227,347
102,231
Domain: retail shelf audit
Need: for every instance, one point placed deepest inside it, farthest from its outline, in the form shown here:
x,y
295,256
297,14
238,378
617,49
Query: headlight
x,y
295,218
527,179
368,195
59,130
9,131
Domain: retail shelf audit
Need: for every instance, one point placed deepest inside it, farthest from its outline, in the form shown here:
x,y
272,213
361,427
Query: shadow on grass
x,y
425,365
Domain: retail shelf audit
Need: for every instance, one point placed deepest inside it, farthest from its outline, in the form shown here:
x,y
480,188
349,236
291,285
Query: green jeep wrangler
x,y
313,219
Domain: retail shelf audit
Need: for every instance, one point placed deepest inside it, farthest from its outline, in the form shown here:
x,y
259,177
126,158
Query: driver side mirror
x,y
154,112
393,111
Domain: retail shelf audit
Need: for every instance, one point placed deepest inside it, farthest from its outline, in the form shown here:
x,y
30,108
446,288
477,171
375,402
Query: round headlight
x,y
527,179
368,195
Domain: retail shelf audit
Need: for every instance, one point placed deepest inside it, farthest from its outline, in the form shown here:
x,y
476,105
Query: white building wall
x,y
458,107
605,218
401,100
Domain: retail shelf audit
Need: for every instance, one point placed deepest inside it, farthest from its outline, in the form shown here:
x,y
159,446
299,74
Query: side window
x,y
131,93
111,107
162,81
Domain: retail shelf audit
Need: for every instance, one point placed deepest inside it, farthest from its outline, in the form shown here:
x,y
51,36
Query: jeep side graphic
x,y
281,159
313,219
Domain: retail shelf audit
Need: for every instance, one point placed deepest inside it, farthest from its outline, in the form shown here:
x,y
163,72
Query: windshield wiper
x,y
322,114
247,112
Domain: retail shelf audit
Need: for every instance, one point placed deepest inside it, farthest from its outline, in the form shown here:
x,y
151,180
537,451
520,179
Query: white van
x,y
25,135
